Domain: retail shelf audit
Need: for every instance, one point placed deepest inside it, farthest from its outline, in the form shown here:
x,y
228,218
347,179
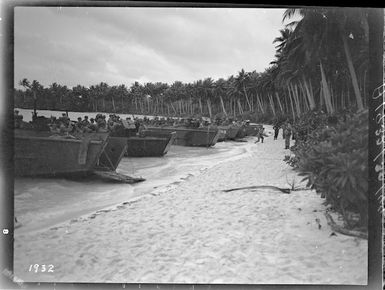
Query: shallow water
x,y
44,202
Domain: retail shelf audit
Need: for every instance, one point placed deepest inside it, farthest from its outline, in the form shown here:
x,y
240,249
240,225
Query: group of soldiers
x,y
189,122
183,122
100,123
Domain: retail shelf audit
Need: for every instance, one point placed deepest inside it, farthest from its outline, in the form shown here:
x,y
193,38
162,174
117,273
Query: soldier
x,y
276,131
64,118
102,124
54,129
85,122
287,133
261,134
141,129
79,126
92,126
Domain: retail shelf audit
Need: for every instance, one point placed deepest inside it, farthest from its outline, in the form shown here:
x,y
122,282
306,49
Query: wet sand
x,y
196,233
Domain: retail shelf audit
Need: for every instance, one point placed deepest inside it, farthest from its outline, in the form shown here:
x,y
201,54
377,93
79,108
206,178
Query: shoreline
x,y
137,191
196,233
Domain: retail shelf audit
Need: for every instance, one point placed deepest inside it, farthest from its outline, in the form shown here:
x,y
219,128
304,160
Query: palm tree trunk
x,y
260,104
308,94
272,104
240,106
209,108
312,93
223,105
176,113
291,104
247,99
113,104
200,105
287,108
279,102
326,91
342,100
294,100
34,103
352,71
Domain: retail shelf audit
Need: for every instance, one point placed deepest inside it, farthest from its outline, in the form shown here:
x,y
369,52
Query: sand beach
x,y
194,232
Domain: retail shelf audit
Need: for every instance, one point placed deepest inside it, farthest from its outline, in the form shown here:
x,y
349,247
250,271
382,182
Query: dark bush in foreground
x,y
332,155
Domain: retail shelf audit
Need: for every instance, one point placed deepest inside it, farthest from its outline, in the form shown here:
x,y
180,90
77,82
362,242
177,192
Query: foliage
x,y
332,155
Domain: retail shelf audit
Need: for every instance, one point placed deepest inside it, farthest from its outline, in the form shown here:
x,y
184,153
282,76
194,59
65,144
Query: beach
x,y
194,232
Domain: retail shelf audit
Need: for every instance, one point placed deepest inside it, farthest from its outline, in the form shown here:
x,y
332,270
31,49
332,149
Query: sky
x,y
121,45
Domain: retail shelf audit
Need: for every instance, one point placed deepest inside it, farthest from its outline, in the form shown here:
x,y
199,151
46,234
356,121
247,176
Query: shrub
x,y
332,155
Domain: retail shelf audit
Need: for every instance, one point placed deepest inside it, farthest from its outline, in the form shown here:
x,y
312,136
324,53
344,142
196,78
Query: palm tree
x,y
282,40
26,84
324,33
241,82
220,91
35,87
136,90
207,89
122,93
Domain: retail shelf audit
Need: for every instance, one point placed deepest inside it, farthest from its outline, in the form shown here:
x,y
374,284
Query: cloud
x,y
88,45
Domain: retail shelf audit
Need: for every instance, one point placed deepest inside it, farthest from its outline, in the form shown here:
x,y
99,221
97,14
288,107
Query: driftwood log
x,y
342,230
283,190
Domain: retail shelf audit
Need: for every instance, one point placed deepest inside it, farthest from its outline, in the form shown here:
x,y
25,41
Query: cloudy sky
x,y
88,45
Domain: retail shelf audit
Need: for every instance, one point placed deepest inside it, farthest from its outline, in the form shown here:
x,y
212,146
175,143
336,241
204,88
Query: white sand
x,y
196,233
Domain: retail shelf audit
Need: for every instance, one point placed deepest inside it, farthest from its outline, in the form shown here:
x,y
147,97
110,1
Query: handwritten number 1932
x,y
41,268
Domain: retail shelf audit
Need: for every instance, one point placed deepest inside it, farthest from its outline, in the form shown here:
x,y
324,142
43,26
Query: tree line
x,y
321,62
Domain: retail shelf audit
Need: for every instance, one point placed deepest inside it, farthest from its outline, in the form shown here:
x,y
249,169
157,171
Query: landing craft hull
x,y
149,145
241,132
232,132
222,133
204,137
227,132
112,154
56,155
252,129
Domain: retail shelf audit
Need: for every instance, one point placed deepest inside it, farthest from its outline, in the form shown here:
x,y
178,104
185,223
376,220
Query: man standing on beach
x,y
276,131
287,135
261,135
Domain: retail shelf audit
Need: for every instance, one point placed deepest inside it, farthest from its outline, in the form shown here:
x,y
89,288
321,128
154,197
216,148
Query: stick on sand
x,y
283,190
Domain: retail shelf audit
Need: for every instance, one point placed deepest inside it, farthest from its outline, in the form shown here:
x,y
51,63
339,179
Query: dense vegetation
x,y
331,152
